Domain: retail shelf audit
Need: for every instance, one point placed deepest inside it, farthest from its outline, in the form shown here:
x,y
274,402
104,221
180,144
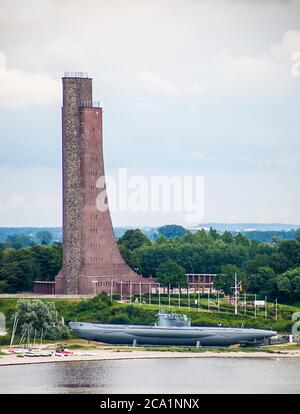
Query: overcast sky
x,y
188,87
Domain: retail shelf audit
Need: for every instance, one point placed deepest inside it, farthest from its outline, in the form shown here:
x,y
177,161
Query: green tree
x,y
263,281
289,284
38,315
18,241
128,243
130,258
48,260
252,265
3,286
290,249
227,237
279,262
19,269
276,239
200,237
133,239
172,230
297,235
241,239
171,273
44,237
213,234
225,279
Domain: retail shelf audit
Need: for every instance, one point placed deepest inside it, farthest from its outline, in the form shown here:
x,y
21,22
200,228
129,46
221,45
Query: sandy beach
x,y
110,354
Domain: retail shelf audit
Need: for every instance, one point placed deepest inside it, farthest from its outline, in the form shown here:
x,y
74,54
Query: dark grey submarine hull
x,y
171,329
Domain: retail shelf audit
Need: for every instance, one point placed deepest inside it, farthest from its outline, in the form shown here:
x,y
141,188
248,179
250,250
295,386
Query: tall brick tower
x,y
91,259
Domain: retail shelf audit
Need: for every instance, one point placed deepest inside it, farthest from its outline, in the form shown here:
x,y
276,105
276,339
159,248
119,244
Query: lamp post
x,y
140,293
236,287
130,291
208,300
95,283
159,296
266,307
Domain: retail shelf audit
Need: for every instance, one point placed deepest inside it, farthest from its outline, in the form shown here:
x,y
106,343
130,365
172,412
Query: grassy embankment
x,y
101,310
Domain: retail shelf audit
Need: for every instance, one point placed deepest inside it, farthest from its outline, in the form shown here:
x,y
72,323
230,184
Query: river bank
x,y
111,354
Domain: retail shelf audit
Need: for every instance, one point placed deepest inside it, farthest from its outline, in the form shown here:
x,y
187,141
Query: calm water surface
x,y
221,375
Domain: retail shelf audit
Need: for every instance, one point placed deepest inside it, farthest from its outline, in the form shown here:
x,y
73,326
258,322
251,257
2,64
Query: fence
x,y
247,305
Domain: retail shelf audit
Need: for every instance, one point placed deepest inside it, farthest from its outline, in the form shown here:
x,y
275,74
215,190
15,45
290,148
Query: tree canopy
x,y
169,273
19,268
171,230
133,239
44,237
38,316
270,269
260,266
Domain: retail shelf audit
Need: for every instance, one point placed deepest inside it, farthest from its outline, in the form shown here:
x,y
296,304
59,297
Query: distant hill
x,y
263,232
30,231
56,232
245,227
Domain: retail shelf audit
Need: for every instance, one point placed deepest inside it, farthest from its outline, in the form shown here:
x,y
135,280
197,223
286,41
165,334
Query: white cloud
x,y
152,82
289,44
19,11
60,53
30,196
25,210
251,75
14,202
211,82
18,88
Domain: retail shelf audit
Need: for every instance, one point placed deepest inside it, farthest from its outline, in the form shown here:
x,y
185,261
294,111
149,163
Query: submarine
x,y
170,329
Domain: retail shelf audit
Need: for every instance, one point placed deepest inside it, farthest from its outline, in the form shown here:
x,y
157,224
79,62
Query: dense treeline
x,y
19,268
18,237
271,235
266,269
26,236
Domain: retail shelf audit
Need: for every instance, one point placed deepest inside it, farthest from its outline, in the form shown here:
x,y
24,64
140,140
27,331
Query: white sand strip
x,y
104,355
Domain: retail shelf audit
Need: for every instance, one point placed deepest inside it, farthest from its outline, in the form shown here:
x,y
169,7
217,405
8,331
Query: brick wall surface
x,y
90,253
